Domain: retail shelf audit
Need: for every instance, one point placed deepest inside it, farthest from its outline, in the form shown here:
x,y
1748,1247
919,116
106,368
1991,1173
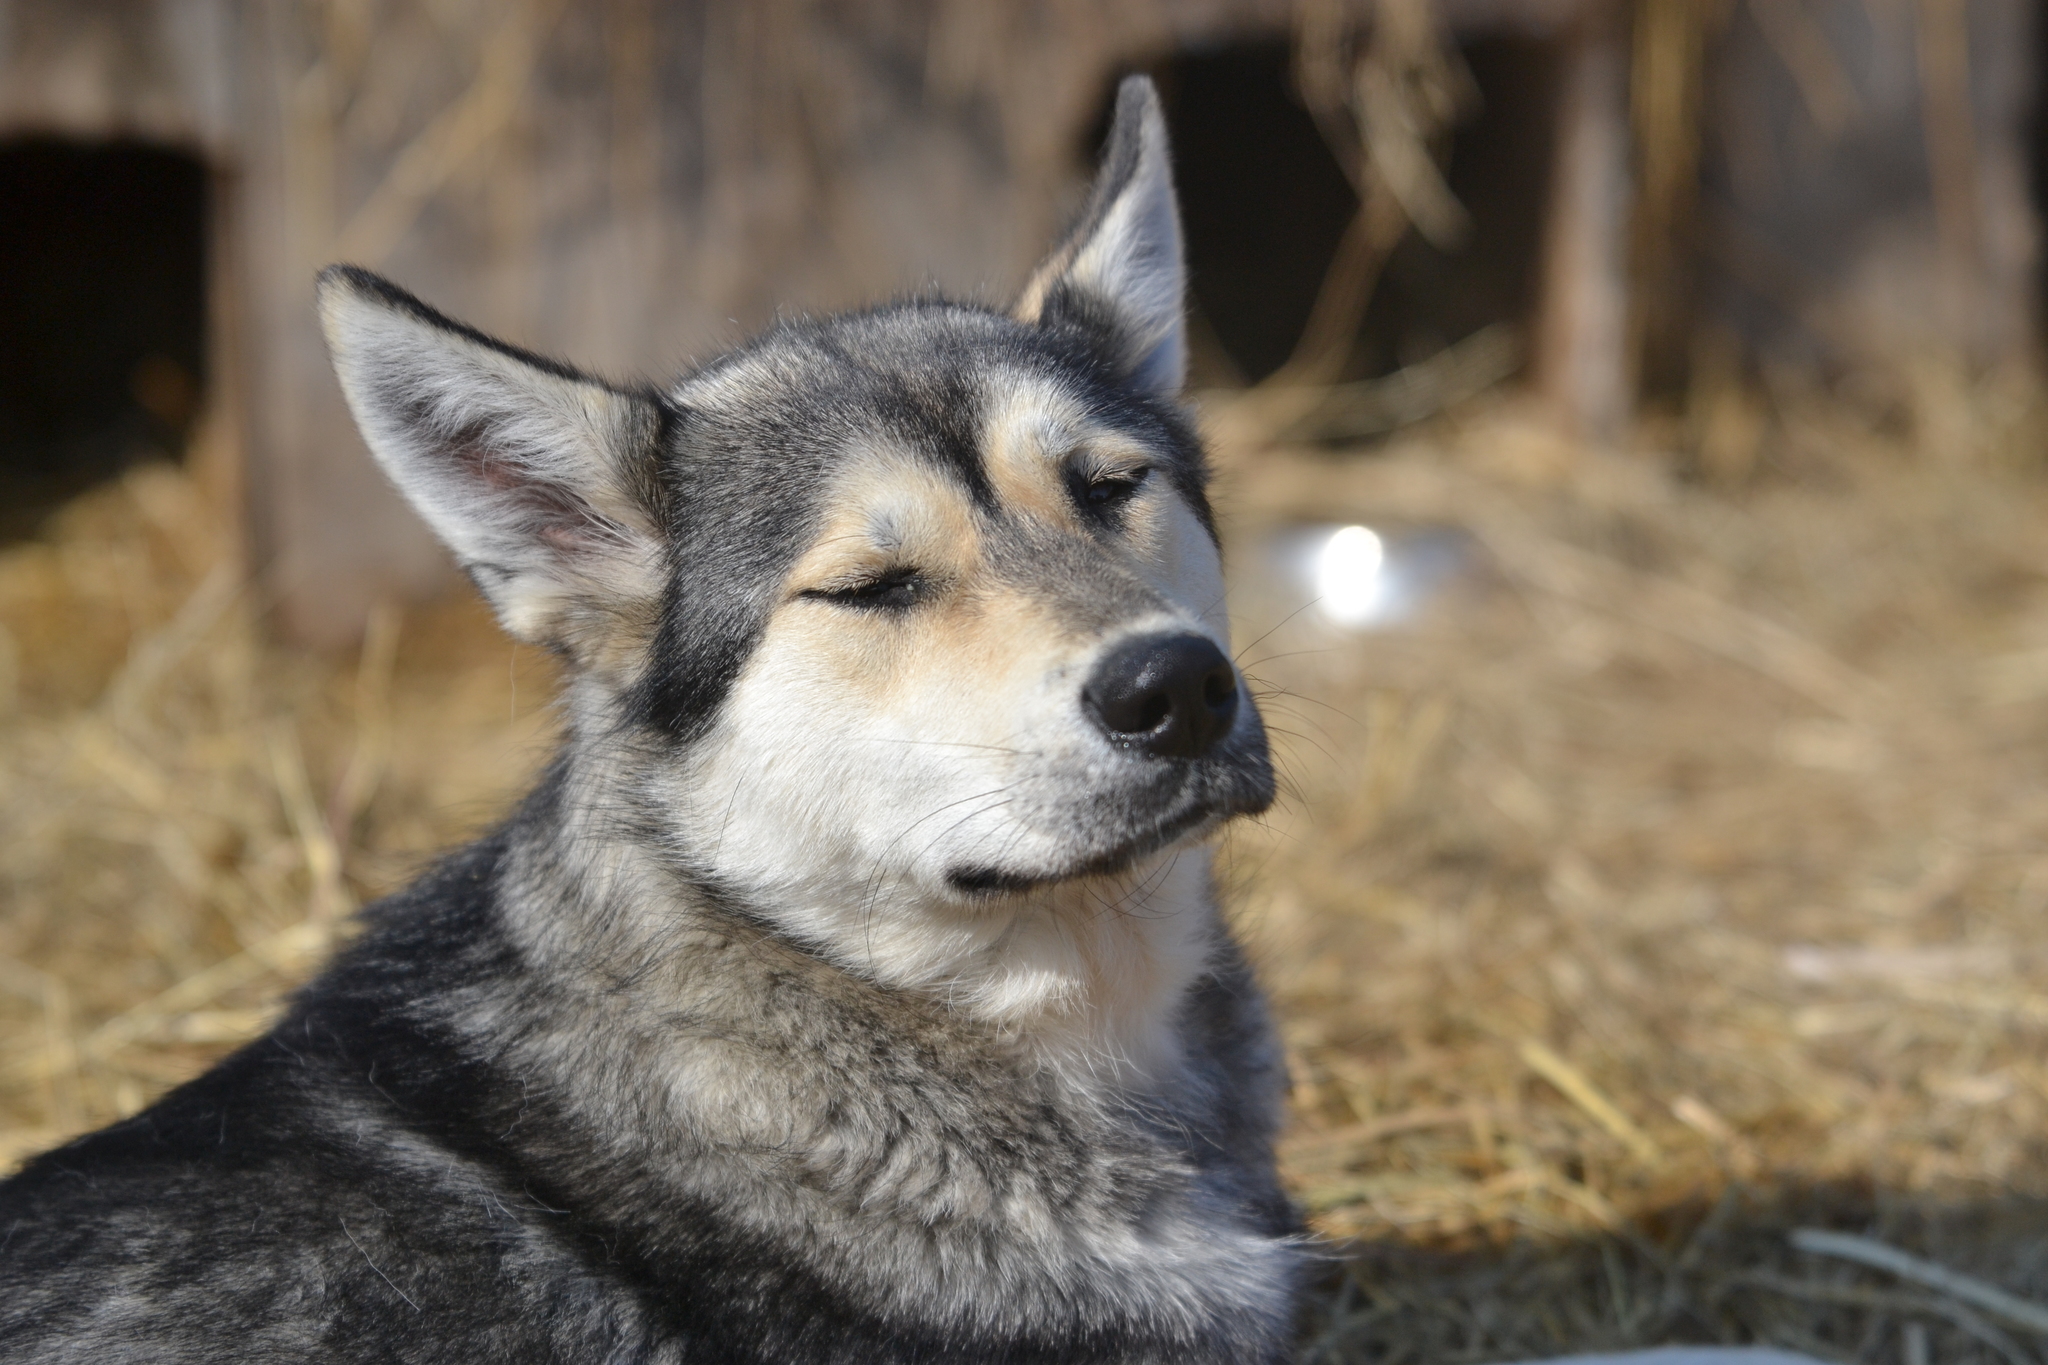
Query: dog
x,y
852,987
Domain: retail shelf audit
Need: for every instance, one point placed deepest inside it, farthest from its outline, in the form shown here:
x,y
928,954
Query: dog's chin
x,y
1194,822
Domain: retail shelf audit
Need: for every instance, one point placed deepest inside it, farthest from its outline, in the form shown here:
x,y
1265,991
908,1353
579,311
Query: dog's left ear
x,y
1120,275
544,482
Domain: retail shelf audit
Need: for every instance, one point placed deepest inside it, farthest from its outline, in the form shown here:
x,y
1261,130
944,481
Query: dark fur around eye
x,y
896,590
1104,495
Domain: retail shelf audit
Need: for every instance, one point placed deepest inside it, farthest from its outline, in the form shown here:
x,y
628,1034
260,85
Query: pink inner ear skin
x,y
553,513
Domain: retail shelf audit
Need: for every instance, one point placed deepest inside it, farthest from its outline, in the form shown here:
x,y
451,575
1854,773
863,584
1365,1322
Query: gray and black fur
x,y
735,1043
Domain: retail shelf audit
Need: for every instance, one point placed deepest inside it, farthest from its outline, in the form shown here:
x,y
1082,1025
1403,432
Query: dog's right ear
x,y
1120,276
545,483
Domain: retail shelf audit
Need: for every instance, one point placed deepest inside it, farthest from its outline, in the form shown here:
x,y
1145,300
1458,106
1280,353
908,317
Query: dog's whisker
x,y
1275,627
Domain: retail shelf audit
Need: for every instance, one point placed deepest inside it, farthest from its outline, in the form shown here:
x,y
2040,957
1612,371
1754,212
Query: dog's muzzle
x,y
1172,702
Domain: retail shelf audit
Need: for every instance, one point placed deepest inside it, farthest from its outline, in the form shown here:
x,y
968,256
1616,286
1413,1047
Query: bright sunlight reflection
x,y
1349,581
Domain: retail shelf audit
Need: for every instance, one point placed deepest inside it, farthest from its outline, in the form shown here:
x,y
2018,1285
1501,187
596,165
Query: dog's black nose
x,y
1172,696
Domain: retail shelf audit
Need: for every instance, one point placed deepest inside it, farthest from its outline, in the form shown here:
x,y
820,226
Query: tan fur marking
x,y
891,511
1030,437
1027,435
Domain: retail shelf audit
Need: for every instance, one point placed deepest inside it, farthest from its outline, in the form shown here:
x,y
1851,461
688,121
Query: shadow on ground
x,y
1724,1273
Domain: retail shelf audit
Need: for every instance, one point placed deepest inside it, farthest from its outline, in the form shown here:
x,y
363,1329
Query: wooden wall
x,y
631,183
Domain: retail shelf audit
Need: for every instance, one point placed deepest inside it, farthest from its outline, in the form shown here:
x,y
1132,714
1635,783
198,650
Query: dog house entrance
x,y
102,314
1265,204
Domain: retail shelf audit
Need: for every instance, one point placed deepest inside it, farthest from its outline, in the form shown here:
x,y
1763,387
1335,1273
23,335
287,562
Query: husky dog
x,y
851,989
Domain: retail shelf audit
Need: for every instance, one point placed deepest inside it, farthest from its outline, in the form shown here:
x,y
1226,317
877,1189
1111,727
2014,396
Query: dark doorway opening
x,y
1499,169
102,314
1264,203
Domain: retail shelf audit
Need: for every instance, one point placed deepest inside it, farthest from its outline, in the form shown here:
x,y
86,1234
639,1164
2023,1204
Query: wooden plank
x,y
1580,360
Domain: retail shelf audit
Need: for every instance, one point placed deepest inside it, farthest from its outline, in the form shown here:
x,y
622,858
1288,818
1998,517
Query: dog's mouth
x,y
1195,815
976,880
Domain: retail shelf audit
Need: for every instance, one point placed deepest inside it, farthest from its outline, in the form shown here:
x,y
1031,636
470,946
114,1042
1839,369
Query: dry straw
x,y
1669,878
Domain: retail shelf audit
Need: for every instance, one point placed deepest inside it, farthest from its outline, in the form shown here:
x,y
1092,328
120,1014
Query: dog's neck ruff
x,y
980,1163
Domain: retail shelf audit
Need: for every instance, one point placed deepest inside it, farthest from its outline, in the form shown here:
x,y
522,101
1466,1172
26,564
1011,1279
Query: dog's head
x,y
921,602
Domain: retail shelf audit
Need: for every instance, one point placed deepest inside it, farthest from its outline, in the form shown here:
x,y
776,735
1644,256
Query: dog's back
x,y
321,1194
852,987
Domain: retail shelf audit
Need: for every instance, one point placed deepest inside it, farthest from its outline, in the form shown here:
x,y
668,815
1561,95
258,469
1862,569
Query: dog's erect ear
x,y
543,482
1120,271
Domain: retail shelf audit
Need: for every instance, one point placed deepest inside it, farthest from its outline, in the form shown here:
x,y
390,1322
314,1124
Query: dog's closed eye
x,y
891,590
1102,493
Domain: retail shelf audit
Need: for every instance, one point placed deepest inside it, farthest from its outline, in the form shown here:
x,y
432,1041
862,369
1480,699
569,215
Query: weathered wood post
x,y
1580,363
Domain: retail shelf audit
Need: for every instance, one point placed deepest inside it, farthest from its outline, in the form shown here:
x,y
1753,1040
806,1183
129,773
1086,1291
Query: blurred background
x,y
1629,421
